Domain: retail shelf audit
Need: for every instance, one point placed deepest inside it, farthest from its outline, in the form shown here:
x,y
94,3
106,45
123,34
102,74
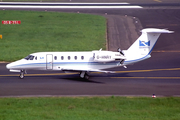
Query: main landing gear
x,y
22,74
84,75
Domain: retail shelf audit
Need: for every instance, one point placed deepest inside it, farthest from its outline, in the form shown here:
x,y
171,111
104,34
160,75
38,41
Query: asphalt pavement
x,y
158,75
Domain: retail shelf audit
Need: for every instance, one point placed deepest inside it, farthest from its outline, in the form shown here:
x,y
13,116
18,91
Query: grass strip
x,y
90,108
49,31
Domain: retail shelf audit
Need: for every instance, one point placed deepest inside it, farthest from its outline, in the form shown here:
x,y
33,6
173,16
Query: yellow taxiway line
x,y
130,71
151,70
157,0
40,74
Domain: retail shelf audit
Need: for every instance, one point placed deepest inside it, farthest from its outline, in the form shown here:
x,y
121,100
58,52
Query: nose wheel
x,y
22,74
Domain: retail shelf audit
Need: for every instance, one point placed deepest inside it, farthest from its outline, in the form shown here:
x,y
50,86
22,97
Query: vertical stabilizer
x,y
143,46
145,43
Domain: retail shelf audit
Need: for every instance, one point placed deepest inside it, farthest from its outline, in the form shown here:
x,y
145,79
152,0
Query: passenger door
x,y
49,61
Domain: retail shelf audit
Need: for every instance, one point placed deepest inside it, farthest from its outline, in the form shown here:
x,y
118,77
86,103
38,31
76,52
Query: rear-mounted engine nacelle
x,y
103,58
107,56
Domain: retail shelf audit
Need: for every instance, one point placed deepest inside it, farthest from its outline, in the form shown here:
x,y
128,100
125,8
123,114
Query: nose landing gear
x,y
21,76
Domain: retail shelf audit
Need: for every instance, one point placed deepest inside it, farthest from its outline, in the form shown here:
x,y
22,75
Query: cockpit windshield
x,y
29,57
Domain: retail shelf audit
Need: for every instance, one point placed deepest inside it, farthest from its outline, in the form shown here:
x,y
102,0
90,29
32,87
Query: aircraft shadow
x,y
112,75
76,77
83,80
100,78
94,78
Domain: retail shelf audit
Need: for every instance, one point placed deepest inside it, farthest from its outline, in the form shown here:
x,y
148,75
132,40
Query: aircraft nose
x,y
14,65
8,66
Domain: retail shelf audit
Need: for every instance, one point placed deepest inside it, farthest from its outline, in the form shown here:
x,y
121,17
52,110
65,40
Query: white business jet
x,y
92,61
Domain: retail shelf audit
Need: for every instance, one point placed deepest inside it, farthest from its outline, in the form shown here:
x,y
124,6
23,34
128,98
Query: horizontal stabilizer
x,y
155,30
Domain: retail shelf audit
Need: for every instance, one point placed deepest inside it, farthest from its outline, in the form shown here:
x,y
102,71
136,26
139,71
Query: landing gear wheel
x,y
21,75
86,76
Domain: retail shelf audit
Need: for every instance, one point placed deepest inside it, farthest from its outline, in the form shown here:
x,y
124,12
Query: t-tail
x,y
142,47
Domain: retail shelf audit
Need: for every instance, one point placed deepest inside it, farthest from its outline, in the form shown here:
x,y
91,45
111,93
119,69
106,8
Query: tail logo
x,y
144,44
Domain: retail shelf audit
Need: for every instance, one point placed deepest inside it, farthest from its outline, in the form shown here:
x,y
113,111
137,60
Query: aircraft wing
x,y
85,70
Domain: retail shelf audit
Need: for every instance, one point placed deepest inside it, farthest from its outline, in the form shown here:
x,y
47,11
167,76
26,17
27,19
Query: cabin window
x,y
55,57
82,57
69,57
75,57
31,58
62,57
36,58
27,58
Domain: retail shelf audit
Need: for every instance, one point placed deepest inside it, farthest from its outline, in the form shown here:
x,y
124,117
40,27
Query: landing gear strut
x,y
84,75
22,74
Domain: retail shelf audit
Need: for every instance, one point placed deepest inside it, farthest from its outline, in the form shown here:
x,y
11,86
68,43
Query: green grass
x,y
50,31
90,108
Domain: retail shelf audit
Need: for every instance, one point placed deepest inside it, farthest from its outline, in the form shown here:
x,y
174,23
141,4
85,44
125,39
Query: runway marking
x,y
130,71
71,7
147,77
66,5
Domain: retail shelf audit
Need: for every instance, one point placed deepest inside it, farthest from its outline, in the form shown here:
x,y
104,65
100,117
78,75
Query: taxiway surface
x,y
158,75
